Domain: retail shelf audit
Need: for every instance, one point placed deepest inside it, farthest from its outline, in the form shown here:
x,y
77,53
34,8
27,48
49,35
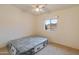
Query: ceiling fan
x,y
39,7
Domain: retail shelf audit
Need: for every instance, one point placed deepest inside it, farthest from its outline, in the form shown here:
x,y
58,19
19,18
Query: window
x,y
51,24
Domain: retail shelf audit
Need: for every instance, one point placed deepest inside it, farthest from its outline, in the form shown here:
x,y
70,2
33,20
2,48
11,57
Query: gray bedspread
x,y
26,43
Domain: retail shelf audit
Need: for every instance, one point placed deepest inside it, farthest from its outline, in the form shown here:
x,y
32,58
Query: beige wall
x,y
67,32
14,23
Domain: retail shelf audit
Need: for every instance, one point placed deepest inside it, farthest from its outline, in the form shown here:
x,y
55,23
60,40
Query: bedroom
x,y
20,20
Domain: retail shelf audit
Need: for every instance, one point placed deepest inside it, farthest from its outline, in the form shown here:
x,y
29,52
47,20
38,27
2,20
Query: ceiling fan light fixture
x,y
38,10
38,7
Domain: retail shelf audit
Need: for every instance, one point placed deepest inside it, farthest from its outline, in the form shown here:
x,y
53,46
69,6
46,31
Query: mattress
x,y
27,45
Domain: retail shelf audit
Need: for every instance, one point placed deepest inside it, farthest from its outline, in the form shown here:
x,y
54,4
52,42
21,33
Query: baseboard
x,y
2,45
63,45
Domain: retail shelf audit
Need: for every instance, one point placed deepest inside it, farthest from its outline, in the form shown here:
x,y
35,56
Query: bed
x,y
27,45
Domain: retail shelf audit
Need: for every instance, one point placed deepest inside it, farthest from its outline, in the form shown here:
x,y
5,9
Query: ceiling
x,y
48,8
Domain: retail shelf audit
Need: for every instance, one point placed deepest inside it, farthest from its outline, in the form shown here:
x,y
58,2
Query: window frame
x,y
55,24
